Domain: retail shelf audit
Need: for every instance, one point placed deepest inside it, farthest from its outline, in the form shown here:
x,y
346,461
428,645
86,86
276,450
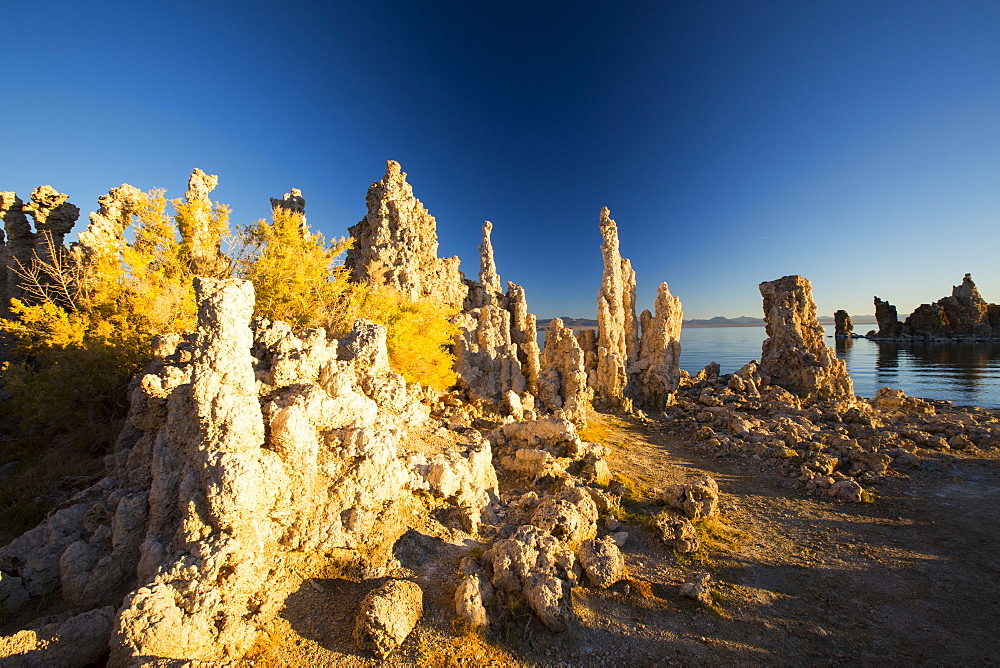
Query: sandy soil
x,y
911,579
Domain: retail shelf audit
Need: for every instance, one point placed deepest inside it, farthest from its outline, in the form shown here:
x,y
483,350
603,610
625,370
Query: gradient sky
x,y
855,143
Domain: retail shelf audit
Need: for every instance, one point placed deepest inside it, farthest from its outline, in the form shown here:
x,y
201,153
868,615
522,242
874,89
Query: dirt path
x,y
911,579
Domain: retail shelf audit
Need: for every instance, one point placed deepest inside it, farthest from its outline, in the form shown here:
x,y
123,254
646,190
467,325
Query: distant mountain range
x,y
717,321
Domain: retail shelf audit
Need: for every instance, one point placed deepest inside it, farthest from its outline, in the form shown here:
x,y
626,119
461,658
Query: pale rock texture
x,y
697,587
602,561
54,215
570,515
842,325
487,265
618,336
795,356
541,568
249,453
107,225
396,245
677,532
496,353
523,334
486,360
697,500
387,616
292,202
657,370
587,340
473,594
562,382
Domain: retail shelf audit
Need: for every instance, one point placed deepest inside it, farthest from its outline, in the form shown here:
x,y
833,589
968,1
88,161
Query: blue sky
x,y
855,143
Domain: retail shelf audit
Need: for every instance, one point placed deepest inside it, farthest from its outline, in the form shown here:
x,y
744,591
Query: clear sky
x,y
855,143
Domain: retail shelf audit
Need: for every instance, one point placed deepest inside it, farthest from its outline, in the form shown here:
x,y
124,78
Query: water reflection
x,y
966,368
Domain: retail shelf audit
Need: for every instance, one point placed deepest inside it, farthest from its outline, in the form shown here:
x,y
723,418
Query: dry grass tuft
x,y
471,648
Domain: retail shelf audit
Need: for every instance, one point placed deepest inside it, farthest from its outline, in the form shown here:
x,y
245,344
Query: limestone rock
x,y
486,361
847,490
570,515
542,569
473,594
963,314
108,223
795,356
562,383
618,336
887,319
523,334
657,370
697,500
587,339
487,266
602,561
396,245
77,640
697,587
677,532
387,615
54,215
843,327
293,202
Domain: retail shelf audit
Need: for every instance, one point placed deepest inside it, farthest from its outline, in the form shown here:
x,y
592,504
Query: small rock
x,y
387,615
677,532
696,587
602,561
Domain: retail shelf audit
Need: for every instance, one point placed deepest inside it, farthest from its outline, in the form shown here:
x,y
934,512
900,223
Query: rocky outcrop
x,y
248,452
396,245
107,225
697,500
292,202
523,334
540,568
496,350
54,215
657,370
887,319
387,615
602,561
623,368
842,325
794,355
54,218
618,335
562,382
962,315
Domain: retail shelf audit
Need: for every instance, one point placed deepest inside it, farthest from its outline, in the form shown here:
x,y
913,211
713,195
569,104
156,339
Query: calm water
x,y
965,373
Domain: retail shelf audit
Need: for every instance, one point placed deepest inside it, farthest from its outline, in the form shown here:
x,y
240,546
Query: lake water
x,y
965,373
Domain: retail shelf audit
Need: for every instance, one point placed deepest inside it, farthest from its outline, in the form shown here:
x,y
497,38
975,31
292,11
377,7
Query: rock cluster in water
x,y
962,315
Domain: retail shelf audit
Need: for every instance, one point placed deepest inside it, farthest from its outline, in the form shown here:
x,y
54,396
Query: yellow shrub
x,y
295,274
419,334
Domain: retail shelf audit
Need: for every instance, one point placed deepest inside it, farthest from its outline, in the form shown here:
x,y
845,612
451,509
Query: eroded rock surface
x,y
387,616
794,355
842,325
396,245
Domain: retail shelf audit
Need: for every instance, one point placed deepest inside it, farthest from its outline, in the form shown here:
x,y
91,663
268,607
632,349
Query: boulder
x,y
387,616
602,561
